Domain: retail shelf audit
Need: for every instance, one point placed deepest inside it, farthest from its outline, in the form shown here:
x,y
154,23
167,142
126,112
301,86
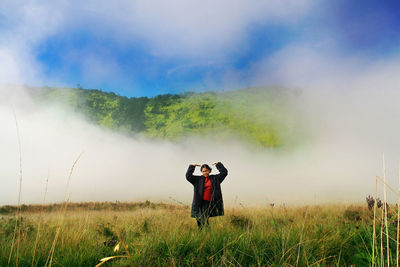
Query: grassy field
x,y
151,234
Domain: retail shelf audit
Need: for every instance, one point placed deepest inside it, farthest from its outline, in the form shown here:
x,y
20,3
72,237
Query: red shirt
x,y
207,189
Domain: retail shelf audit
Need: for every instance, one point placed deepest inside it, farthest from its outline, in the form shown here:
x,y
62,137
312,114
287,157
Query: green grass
x,y
165,235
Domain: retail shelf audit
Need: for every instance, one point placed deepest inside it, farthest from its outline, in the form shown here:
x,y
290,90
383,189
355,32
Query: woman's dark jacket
x,y
217,205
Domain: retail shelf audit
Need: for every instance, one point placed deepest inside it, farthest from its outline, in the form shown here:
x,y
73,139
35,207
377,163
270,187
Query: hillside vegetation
x,y
261,116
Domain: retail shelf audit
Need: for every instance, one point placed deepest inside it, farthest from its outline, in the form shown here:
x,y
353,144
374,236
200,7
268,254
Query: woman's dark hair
x,y
205,166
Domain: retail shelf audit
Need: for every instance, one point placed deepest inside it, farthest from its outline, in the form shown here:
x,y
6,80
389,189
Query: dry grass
x,y
153,234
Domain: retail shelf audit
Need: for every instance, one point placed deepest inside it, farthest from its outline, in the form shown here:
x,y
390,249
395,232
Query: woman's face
x,y
205,172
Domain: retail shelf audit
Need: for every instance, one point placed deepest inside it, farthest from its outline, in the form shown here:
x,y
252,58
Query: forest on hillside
x,y
261,116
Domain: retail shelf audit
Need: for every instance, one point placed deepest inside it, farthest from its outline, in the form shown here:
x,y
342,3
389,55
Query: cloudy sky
x,y
344,55
138,48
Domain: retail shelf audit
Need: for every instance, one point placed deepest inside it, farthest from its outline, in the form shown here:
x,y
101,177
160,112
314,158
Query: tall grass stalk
x,y
17,228
397,193
64,211
382,255
398,220
374,229
301,238
40,220
385,209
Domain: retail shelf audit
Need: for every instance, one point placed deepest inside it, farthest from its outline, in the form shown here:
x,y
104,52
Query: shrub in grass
x,y
240,221
352,214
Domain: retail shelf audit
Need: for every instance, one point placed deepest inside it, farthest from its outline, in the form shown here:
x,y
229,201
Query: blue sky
x,y
145,48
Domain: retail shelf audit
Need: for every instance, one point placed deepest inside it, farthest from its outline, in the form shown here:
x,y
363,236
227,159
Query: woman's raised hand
x,y
215,163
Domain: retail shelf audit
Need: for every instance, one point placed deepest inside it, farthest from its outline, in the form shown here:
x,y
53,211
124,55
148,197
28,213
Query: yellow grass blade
x,y
103,260
116,248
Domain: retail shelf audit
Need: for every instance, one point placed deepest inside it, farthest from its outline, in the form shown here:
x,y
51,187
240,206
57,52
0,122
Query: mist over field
x,y
346,110
338,162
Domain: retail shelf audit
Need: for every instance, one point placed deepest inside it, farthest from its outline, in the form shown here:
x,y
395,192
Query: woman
x,y
207,198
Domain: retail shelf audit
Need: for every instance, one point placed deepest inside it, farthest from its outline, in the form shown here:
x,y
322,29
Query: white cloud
x,y
196,29
24,25
200,31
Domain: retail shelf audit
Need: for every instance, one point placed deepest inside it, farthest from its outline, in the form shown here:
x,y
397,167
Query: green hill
x,y
258,115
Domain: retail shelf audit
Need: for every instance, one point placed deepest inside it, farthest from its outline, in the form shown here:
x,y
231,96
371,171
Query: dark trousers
x,y
205,214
